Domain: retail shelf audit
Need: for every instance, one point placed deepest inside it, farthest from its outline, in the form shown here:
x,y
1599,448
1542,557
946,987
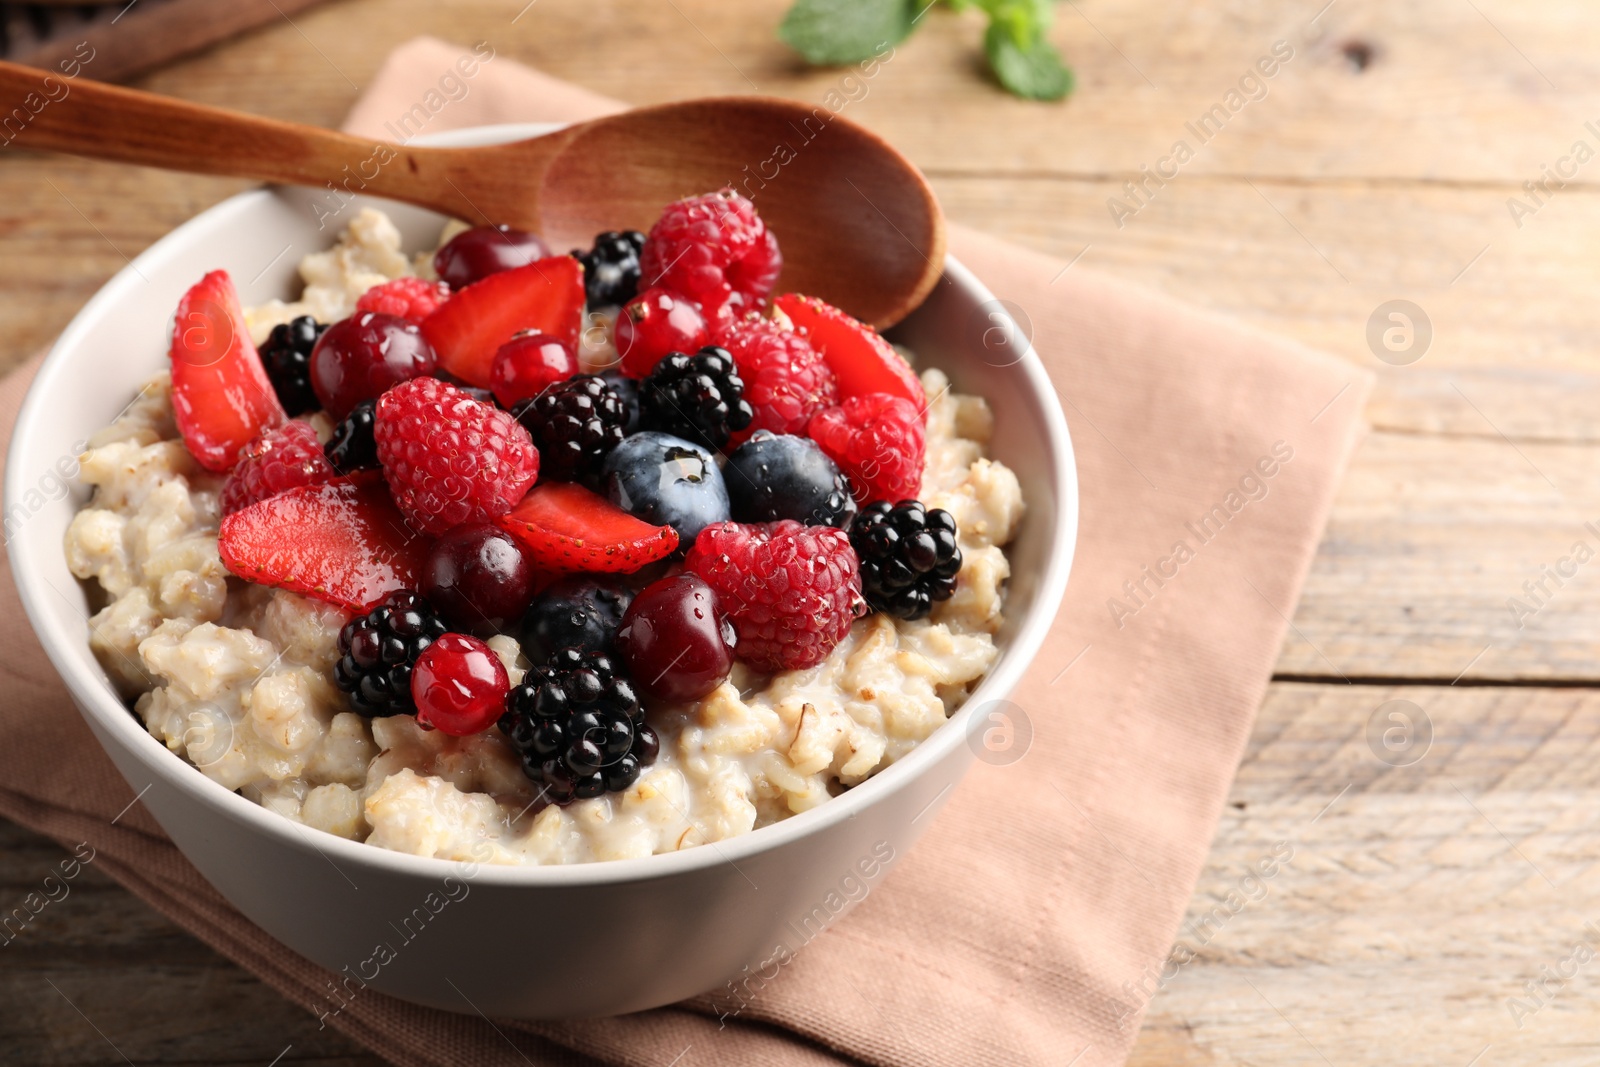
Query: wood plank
x,y
1415,907
1430,539
155,994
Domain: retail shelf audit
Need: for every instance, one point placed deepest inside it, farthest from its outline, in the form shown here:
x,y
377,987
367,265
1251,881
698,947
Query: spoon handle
x,y
43,110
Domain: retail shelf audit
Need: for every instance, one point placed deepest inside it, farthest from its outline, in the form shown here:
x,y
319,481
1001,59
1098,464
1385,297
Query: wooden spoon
x,y
858,223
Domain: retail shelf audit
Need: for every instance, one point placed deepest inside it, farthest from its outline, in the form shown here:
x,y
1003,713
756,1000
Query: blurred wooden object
x,y
128,38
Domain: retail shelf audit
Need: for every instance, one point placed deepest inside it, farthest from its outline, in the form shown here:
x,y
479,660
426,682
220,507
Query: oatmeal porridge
x,y
473,557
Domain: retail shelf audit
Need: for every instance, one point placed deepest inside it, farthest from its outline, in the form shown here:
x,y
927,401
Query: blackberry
x,y
611,268
578,611
578,728
628,389
352,446
909,556
575,424
780,476
378,650
699,398
286,355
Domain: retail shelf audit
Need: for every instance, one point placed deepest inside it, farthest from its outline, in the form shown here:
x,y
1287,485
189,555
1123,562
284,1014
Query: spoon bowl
x,y
862,228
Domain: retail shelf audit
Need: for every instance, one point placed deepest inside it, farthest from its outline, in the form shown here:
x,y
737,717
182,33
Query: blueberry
x,y
579,611
667,481
780,476
628,389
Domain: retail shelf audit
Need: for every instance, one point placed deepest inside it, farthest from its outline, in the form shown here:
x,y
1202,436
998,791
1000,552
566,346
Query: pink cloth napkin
x,y
1025,927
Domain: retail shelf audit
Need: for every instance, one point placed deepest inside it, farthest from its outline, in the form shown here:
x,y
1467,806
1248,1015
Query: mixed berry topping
x,y
353,447
479,578
221,396
473,255
676,641
652,325
361,357
277,461
578,611
469,329
527,364
476,483
791,590
879,441
699,397
611,268
286,355
575,424
459,686
667,481
450,459
785,379
378,651
578,728
782,476
412,299
715,250
909,557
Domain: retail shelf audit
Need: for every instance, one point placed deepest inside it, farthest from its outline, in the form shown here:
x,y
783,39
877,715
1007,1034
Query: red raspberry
x,y
791,590
786,380
409,298
449,458
714,249
879,441
278,460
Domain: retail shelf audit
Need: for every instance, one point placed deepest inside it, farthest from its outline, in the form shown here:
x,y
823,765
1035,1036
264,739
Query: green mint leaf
x,y
834,32
1033,71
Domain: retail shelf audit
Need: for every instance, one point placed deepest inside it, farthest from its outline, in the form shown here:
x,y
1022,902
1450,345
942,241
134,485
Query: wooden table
x,y
1377,166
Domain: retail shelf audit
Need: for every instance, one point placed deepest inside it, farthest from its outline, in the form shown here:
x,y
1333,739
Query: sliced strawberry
x,y
221,395
343,541
545,296
862,361
566,528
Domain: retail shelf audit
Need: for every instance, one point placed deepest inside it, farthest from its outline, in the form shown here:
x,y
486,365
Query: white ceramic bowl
x,y
628,934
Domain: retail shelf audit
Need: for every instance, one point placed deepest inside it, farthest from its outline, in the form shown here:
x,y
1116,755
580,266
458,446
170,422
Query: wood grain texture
x,y
1411,910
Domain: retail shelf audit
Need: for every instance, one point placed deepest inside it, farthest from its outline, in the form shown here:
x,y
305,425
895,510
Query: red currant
x,y
526,364
675,640
654,323
474,254
359,358
479,578
459,686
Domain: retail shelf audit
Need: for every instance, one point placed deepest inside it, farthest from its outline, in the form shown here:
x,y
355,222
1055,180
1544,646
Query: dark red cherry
x,y
459,686
474,254
479,578
359,358
675,641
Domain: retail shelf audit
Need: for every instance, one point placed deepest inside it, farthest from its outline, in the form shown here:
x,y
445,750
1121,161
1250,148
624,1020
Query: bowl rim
x,y
97,701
